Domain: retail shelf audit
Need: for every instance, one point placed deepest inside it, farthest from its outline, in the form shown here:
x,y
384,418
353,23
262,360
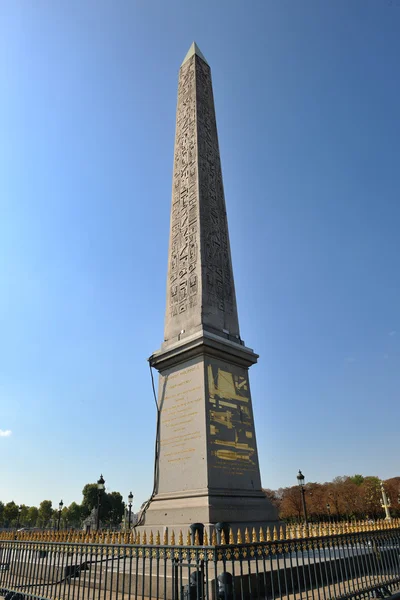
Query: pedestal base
x,y
240,510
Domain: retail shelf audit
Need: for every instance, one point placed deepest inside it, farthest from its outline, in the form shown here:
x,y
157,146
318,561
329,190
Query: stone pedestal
x,y
208,467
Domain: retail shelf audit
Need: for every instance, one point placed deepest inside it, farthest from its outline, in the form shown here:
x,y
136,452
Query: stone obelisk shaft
x,y
200,288
207,461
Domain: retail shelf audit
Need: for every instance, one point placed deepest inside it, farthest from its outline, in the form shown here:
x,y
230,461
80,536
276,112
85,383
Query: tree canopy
x,y
348,497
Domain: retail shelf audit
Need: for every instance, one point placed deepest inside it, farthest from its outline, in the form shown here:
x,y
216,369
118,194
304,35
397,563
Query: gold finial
x,y
165,537
158,538
180,540
205,537
282,533
151,540
173,538
144,538
138,537
254,536
231,538
275,536
269,538
261,535
213,538
223,540
188,539
246,536
196,538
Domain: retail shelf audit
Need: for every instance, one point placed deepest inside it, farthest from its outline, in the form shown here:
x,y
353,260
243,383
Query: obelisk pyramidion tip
x,y
194,49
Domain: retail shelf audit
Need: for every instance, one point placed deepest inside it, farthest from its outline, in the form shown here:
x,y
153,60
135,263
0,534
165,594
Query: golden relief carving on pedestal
x,y
231,425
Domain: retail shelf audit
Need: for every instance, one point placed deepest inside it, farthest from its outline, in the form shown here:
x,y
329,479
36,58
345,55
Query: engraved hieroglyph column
x,y
208,467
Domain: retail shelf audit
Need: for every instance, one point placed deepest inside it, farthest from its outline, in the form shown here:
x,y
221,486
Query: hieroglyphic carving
x,y
198,218
183,277
218,287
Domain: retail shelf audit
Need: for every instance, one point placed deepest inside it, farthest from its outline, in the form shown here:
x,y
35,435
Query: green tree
x,y
10,514
116,509
64,518
23,515
1,513
32,516
357,479
45,513
73,515
90,494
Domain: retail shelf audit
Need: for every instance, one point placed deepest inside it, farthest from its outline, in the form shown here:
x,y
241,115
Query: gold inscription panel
x,y
182,430
231,435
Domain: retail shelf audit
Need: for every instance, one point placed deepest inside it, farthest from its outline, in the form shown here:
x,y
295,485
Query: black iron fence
x,y
353,565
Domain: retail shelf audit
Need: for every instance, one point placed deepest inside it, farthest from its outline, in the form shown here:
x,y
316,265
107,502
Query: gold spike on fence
x,y
205,537
281,532
231,537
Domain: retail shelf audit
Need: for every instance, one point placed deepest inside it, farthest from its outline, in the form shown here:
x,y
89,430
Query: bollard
x,y
222,527
192,591
225,586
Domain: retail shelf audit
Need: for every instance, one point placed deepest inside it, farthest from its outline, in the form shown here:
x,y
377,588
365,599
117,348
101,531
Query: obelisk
x,y
207,468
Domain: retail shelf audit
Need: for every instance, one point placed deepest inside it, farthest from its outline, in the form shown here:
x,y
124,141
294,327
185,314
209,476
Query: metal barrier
x,y
352,565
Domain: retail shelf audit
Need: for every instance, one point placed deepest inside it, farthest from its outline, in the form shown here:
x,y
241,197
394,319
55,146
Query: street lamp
x,y
385,503
130,500
300,480
100,490
60,507
19,515
328,508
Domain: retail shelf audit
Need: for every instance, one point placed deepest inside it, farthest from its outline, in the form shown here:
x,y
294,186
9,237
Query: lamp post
x,y
60,507
300,480
328,508
100,490
385,502
19,515
130,500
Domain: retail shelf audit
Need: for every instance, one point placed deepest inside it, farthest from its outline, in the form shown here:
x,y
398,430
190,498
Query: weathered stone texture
x,y
200,287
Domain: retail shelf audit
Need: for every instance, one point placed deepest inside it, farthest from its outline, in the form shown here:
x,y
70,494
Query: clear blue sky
x,y
307,99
